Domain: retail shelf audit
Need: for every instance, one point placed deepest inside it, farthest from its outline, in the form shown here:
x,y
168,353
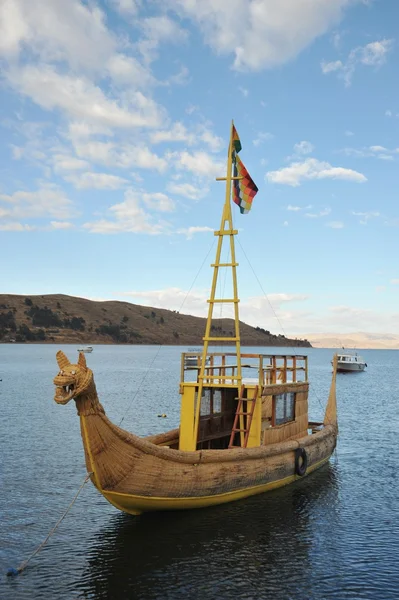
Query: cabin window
x,y
211,403
283,408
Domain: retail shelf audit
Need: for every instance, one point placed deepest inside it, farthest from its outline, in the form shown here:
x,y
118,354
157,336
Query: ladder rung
x,y
222,300
225,265
226,232
221,339
218,377
237,430
243,414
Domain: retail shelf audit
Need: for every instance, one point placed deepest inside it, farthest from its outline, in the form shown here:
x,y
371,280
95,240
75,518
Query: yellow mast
x,y
223,231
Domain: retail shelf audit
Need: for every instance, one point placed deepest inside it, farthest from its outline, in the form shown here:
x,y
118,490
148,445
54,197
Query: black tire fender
x,y
301,461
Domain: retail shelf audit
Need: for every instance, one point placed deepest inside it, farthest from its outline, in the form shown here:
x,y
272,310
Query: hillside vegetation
x,y
57,318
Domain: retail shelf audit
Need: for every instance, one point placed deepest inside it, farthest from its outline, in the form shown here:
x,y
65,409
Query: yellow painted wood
x,y
223,301
187,418
226,231
254,438
223,231
221,339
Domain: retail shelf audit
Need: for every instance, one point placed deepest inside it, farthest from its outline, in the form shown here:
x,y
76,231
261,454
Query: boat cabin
x,y
349,358
268,404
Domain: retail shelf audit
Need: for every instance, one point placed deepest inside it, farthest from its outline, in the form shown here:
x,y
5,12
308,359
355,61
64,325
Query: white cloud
x,y
198,163
123,156
55,30
388,113
395,281
374,54
331,66
126,7
61,225
48,200
192,302
257,310
187,190
190,231
157,30
322,213
376,151
63,163
179,78
335,224
262,137
346,318
303,147
311,169
244,91
179,133
15,226
191,108
300,150
80,99
98,181
298,208
131,215
156,200
261,33
336,39
127,70
366,216
371,55
262,311
349,133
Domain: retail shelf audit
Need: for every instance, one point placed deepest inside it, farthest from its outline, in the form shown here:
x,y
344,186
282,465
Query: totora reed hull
x,y
138,475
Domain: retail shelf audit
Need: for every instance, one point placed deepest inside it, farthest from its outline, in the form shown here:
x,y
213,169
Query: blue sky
x,y
114,121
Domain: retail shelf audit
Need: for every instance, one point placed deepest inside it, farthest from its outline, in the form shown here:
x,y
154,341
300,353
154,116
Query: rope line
x,y
141,384
274,312
24,564
199,271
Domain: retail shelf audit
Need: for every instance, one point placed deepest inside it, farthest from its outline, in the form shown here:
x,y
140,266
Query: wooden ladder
x,y
243,424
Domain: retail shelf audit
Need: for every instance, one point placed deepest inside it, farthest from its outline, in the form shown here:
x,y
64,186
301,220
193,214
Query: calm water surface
x,y
334,534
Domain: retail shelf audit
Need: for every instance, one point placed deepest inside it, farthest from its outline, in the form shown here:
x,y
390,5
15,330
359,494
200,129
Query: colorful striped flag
x,y
236,141
244,190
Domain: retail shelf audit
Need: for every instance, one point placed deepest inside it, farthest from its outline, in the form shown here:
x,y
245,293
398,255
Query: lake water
x,y
334,534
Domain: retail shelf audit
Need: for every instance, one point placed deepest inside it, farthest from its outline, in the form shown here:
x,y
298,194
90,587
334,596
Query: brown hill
x,y
57,318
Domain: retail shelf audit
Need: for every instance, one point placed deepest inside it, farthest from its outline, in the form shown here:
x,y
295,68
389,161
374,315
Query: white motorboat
x,y
86,349
350,362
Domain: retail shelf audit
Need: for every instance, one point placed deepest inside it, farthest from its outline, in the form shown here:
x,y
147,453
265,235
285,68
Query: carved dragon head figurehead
x,y
73,380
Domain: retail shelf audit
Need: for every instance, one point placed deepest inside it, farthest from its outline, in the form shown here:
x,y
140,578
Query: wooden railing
x,y
261,369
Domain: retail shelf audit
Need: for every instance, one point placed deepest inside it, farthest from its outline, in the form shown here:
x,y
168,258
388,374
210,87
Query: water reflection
x,y
243,547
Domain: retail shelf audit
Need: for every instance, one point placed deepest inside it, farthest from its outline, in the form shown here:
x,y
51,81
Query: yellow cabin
x,y
272,404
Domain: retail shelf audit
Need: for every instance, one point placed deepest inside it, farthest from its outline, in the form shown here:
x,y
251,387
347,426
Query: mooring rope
x,y
24,564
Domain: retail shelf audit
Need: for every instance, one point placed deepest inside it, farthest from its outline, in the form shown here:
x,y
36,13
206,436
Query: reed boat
x,y
244,426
